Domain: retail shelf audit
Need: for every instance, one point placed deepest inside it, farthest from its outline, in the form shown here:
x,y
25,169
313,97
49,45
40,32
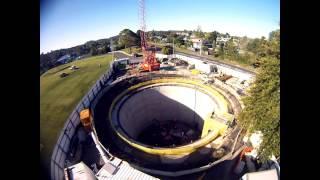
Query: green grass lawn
x,y
59,96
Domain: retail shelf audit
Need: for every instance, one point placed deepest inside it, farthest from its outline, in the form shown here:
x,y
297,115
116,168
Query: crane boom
x,y
149,58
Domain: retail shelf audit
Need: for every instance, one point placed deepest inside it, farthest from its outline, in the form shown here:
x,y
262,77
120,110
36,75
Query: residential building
x,y
182,33
223,40
196,43
64,59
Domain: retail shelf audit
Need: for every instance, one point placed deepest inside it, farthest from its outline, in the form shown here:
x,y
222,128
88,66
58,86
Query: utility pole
x,y
200,47
173,49
111,47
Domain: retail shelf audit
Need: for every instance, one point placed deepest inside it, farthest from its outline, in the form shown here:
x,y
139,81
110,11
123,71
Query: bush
x,y
204,48
167,50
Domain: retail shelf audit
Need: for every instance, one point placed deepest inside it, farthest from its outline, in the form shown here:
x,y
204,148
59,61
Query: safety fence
x,y
61,149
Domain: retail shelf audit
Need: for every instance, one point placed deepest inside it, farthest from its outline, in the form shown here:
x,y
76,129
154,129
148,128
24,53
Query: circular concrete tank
x,y
135,106
189,106
158,103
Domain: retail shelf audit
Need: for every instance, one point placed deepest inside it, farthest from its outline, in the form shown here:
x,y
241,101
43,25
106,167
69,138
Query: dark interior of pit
x,y
168,134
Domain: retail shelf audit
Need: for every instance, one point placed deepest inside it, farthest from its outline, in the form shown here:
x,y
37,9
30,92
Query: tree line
x,y
262,106
126,38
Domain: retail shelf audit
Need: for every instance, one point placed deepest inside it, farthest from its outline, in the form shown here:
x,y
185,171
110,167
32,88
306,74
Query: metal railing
x,y
61,149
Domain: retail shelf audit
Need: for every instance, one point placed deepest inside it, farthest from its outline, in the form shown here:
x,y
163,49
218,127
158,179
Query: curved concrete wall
x,y
165,102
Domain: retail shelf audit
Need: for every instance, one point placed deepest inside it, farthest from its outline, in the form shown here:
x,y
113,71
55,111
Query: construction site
x,y
166,123
148,118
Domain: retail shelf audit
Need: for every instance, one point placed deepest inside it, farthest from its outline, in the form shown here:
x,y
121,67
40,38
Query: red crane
x,y
149,56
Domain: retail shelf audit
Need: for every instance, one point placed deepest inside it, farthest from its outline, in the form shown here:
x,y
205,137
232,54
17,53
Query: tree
x,y
274,35
221,51
178,41
212,37
262,108
93,51
127,38
167,50
204,48
172,37
262,47
230,49
188,43
46,62
253,45
198,33
274,44
107,48
138,33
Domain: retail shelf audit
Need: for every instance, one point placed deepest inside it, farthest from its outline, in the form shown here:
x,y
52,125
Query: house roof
x,y
196,40
63,57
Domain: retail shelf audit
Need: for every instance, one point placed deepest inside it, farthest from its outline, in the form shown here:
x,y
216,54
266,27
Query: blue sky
x,y
67,23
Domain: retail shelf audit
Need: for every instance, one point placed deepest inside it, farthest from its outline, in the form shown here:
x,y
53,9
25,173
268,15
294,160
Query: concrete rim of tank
x,y
180,150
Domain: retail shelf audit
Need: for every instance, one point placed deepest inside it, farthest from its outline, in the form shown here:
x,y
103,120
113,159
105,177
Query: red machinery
x,y
149,56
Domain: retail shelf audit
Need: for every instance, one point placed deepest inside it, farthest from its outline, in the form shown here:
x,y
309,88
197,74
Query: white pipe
x,y
104,157
105,150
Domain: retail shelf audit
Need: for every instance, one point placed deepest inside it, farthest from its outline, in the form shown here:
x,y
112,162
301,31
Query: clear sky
x,y
68,23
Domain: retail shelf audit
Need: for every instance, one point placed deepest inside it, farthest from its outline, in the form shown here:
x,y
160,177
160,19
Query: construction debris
x,y
178,62
224,77
218,153
168,134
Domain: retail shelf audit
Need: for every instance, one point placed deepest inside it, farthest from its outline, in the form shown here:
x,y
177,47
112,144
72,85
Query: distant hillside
x,y
125,39
50,60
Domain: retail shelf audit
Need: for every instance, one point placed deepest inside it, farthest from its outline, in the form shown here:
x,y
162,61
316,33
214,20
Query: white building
x,y
196,43
182,33
223,40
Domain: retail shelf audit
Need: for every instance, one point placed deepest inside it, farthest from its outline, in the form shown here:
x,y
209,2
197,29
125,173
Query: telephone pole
x,y
173,49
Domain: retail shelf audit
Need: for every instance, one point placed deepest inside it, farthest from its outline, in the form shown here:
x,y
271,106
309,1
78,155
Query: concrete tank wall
x,y
163,103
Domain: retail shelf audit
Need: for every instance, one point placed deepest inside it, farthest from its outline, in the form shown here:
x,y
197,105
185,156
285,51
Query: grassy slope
x,y
134,49
59,96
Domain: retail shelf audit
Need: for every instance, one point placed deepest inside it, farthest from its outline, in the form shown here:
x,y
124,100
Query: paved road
x,y
119,55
